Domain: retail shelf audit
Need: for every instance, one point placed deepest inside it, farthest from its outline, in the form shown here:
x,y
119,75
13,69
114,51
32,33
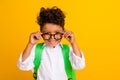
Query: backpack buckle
x,y
69,78
35,75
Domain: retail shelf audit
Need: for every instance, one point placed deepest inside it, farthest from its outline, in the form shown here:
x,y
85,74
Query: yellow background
x,y
95,23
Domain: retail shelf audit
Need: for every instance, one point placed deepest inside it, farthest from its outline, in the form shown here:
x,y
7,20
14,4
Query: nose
x,y
52,36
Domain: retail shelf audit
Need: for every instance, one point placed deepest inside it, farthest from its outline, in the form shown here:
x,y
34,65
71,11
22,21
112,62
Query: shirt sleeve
x,y
77,62
28,63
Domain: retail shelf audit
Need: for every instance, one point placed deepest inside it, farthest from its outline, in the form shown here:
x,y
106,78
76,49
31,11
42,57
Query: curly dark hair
x,y
51,15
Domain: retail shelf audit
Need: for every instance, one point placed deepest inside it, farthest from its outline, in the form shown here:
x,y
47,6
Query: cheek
x,y
47,41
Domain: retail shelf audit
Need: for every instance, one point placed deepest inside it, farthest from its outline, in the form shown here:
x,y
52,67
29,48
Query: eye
x,y
58,33
46,33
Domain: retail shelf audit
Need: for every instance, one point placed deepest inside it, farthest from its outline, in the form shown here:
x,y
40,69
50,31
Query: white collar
x,y
59,44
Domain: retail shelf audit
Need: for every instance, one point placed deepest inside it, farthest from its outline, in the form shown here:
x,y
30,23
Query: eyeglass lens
x,y
56,36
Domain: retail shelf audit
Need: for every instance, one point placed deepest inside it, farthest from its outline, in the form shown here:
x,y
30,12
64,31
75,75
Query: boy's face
x,y
52,34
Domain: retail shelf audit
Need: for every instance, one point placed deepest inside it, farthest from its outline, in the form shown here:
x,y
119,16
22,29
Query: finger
x,y
69,35
35,36
66,31
38,36
32,34
66,34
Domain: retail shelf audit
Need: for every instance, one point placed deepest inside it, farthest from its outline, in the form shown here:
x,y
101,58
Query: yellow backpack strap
x,y
68,68
37,59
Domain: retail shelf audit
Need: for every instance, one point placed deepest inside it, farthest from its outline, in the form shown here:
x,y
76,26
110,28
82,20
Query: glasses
x,y
48,36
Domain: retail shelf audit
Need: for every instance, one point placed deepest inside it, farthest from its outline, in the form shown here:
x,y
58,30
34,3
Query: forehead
x,y
51,27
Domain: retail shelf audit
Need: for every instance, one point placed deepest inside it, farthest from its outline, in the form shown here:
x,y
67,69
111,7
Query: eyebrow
x,y
50,32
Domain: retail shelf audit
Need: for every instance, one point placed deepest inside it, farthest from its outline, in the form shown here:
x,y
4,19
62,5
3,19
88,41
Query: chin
x,y
52,44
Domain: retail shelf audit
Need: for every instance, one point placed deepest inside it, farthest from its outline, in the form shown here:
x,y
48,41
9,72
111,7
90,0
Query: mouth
x,y
52,42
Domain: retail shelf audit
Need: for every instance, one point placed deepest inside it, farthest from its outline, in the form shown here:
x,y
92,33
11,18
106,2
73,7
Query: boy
x,y
51,21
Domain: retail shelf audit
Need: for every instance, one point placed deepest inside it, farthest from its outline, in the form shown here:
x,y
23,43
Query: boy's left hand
x,y
69,36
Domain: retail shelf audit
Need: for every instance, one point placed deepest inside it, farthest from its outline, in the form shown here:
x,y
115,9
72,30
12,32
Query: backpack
x,y
65,51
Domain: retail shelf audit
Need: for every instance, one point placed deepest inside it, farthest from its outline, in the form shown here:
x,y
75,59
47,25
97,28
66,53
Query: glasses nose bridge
x,y
52,35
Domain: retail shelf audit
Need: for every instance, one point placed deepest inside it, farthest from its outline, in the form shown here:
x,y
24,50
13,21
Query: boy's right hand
x,y
34,38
